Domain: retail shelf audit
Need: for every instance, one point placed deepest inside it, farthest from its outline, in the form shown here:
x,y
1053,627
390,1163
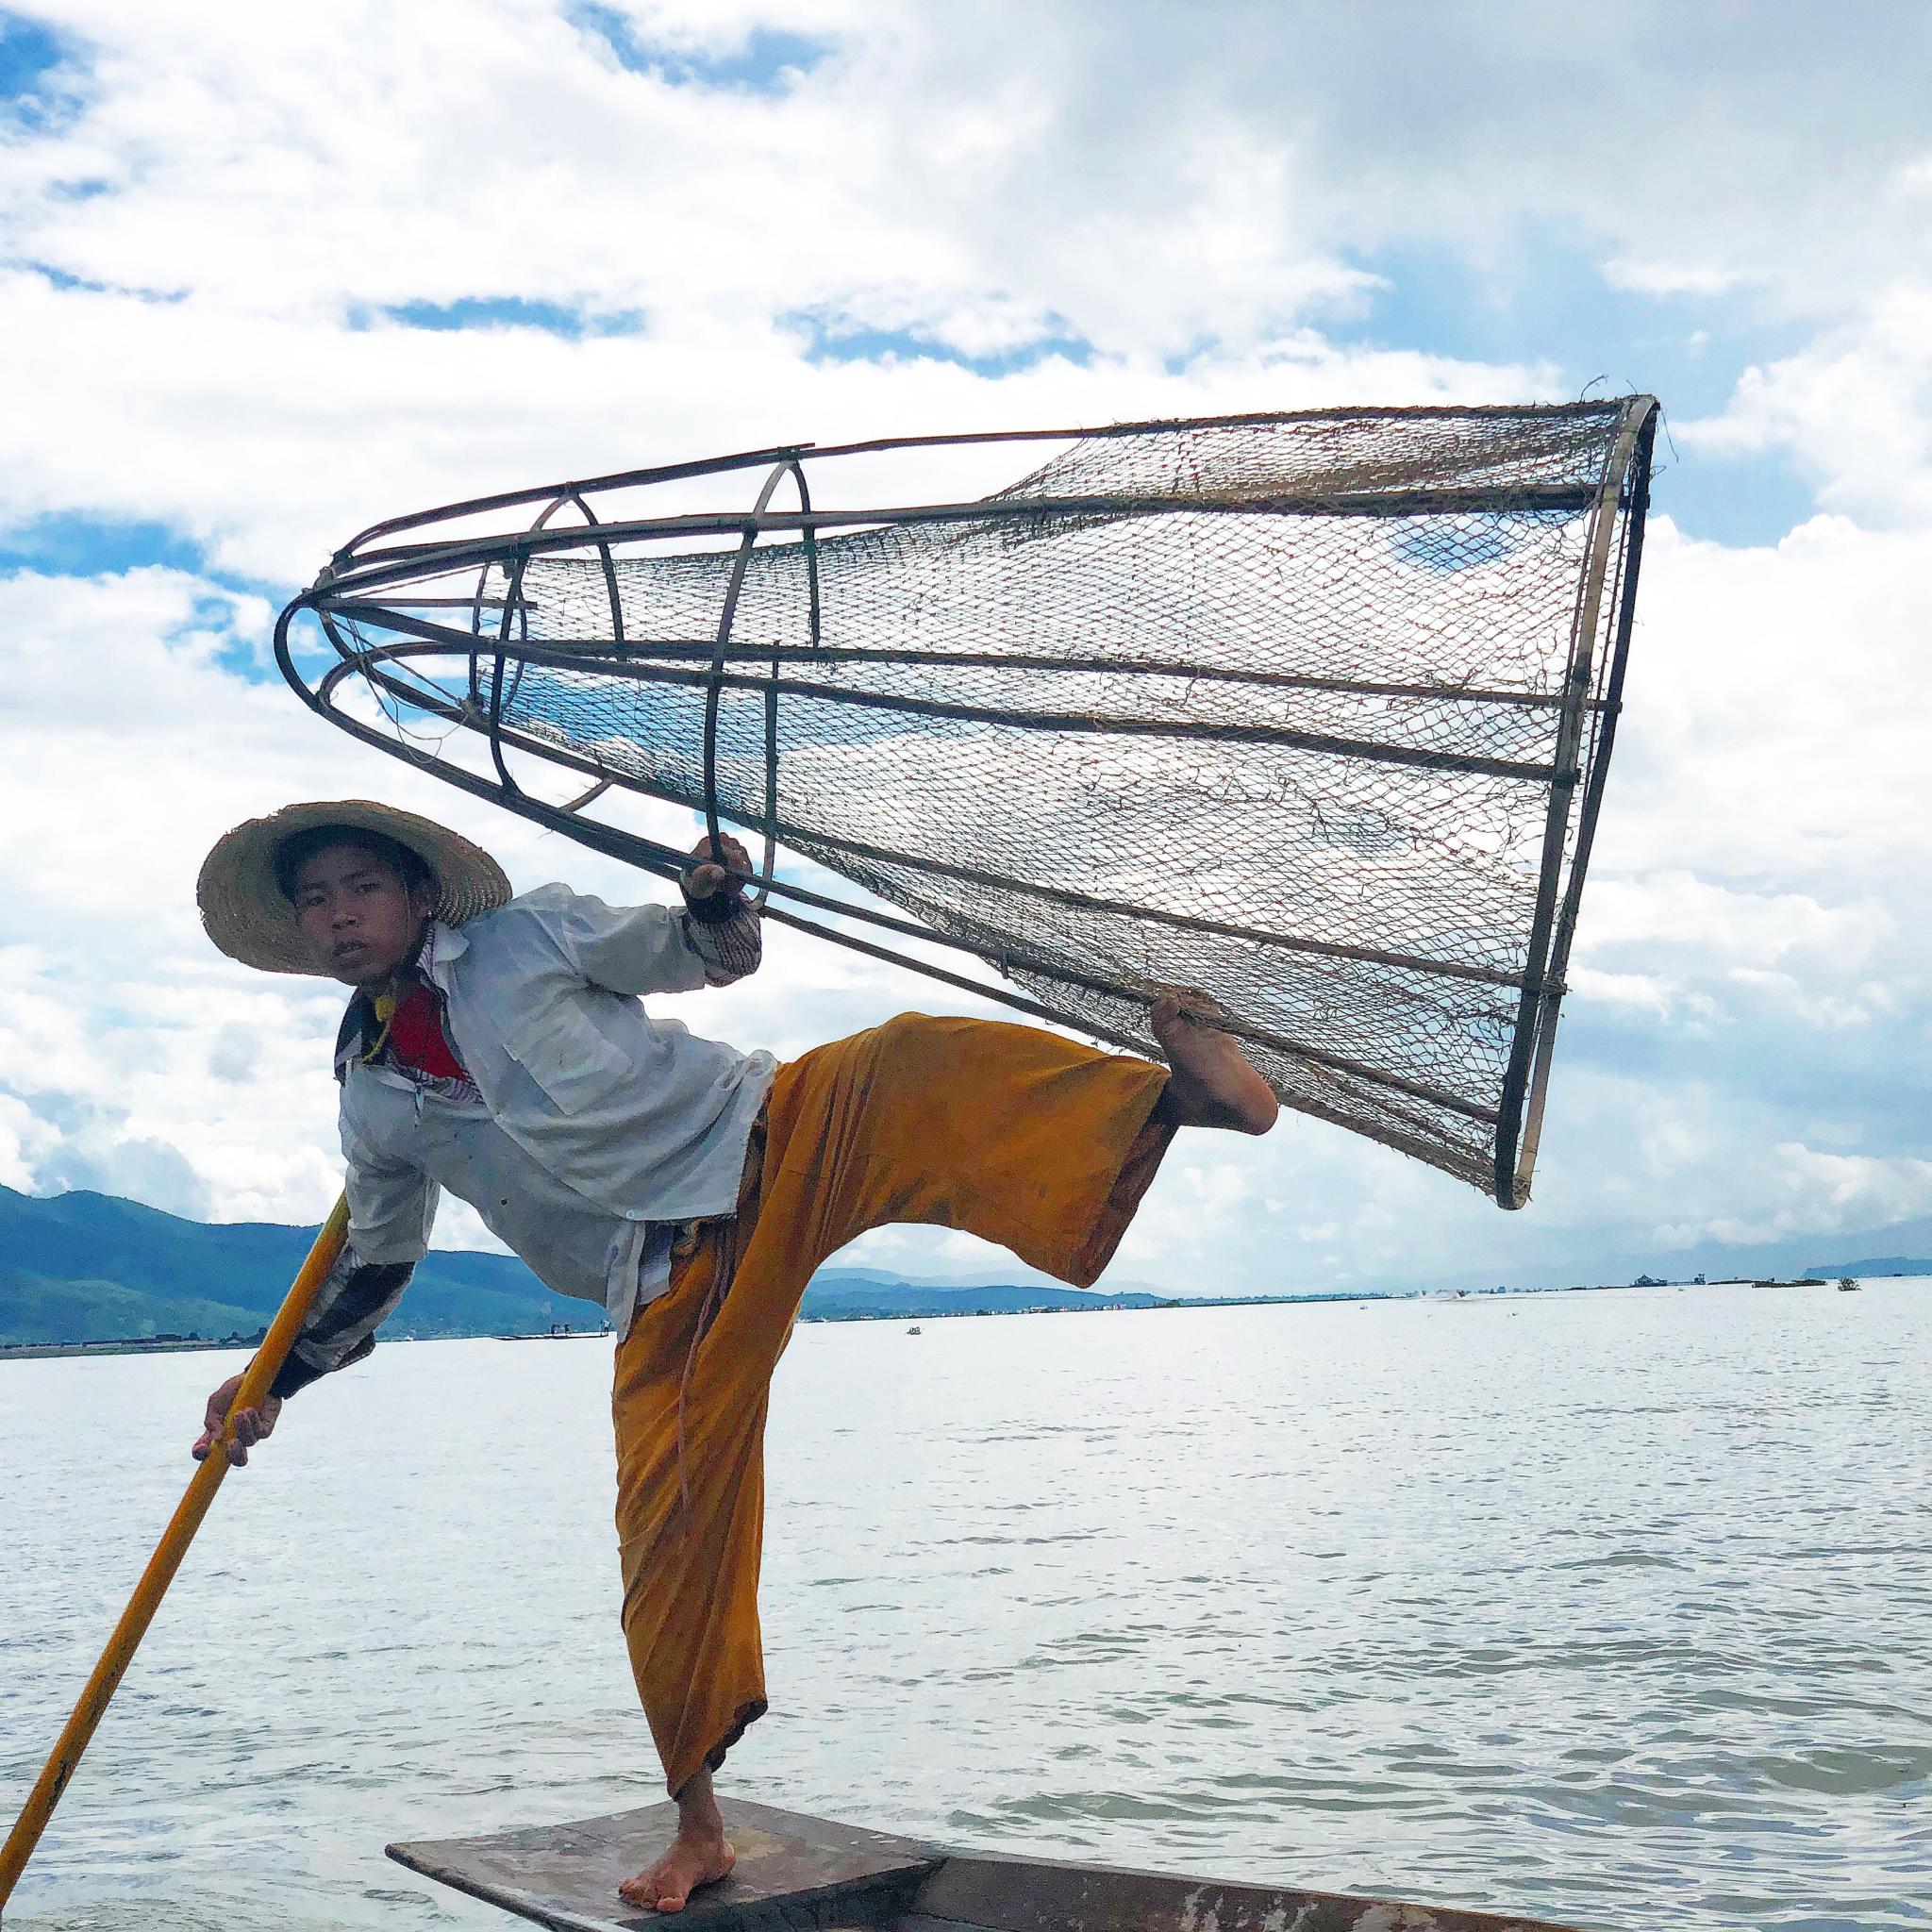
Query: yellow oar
x,y
166,1560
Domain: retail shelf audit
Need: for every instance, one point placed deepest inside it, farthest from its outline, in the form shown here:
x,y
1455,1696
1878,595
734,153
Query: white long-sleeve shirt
x,y
588,1133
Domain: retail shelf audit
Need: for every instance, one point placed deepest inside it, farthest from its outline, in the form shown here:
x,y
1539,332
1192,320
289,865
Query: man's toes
x,y
668,1884
646,1889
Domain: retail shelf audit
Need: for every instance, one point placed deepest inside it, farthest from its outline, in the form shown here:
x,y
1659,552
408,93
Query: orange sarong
x,y
1008,1132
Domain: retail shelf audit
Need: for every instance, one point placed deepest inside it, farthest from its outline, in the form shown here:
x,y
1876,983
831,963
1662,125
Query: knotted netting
x,y
1308,712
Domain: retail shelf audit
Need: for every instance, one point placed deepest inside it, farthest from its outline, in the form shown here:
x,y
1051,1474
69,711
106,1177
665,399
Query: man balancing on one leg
x,y
496,1047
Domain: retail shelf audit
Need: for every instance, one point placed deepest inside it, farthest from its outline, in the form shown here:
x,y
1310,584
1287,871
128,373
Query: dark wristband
x,y
721,908
293,1375
296,1374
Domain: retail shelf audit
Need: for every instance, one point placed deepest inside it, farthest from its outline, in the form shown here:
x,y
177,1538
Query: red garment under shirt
x,y
417,1039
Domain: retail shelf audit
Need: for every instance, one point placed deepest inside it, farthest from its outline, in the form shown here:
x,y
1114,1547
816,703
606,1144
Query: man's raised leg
x,y
1007,1132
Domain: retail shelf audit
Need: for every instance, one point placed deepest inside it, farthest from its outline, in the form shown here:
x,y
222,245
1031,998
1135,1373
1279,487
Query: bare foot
x,y
691,1861
1213,1083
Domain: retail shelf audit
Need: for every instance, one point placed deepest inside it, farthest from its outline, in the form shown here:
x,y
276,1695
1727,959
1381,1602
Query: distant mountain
x,y
844,1297
1873,1266
1014,1274
1619,1259
84,1267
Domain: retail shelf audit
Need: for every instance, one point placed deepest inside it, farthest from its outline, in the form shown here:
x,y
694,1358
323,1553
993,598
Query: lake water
x,y
1613,1609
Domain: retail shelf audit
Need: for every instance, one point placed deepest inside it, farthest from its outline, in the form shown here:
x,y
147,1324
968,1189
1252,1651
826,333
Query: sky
x,y
268,275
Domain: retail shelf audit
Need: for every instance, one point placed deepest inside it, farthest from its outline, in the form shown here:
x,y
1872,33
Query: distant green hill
x,y
86,1266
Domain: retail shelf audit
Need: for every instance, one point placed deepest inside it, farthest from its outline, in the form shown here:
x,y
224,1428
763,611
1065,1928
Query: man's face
x,y
359,919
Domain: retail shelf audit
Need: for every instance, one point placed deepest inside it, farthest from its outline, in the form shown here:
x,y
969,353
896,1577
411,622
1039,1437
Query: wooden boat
x,y
807,1875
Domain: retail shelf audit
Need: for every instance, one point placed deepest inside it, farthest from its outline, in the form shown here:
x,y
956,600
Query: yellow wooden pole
x,y
166,1560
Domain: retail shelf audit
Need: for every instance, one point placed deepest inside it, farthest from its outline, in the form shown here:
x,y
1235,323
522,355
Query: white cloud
x,y
272,441
726,26
1155,180
1645,277
133,1057
25,1142
138,1060
1195,195
1809,1193
1854,407
1778,708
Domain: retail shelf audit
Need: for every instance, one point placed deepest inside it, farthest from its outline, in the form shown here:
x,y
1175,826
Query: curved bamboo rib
x,y
698,651
374,568
744,460
640,671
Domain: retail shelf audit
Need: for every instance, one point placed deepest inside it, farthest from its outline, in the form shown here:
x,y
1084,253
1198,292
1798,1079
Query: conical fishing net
x,y
1308,712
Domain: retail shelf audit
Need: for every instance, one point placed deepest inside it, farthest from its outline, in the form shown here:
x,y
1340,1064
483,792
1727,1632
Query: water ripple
x,y
1615,1611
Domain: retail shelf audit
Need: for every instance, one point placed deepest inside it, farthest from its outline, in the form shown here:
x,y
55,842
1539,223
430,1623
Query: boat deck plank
x,y
793,1873
809,1874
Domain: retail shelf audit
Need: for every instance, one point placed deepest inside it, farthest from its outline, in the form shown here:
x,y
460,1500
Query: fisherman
x,y
495,1046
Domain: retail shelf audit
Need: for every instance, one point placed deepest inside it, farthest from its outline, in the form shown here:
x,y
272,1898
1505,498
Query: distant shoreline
x,y
200,1344
1364,1297
40,1351
47,1351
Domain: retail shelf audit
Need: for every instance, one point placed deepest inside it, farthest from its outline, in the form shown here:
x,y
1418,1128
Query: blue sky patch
x,y
506,311
832,339
60,278
242,654
765,62
34,91
71,543
66,282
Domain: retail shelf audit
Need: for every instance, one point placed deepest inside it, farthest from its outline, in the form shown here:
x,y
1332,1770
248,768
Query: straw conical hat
x,y
247,917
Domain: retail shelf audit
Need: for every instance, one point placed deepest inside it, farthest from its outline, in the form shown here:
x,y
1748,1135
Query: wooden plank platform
x,y
794,1874
807,1875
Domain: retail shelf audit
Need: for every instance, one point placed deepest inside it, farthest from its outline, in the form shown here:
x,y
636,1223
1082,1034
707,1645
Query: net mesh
x,y
1272,709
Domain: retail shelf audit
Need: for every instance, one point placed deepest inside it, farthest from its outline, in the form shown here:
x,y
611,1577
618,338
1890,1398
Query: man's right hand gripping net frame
x,y
1309,712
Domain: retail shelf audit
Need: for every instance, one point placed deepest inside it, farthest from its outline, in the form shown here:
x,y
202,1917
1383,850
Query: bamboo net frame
x,y
1310,711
